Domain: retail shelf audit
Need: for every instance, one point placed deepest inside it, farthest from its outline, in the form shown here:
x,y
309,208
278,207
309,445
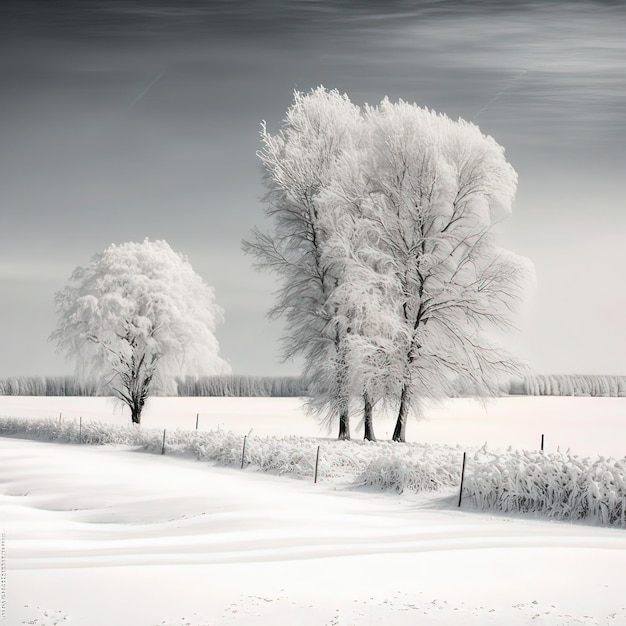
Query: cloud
x,y
549,66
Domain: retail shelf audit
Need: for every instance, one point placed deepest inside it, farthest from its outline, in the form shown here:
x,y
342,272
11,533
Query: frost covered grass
x,y
412,467
558,485
561,486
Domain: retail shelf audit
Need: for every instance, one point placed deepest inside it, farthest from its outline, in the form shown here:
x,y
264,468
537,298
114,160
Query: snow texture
x,y
105,534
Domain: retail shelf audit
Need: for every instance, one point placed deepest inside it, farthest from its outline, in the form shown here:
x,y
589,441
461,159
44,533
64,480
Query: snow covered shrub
x,y
413,468
399,475
559,485
282,455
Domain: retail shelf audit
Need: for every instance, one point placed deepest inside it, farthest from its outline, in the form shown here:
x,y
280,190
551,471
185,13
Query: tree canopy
x,y
136,317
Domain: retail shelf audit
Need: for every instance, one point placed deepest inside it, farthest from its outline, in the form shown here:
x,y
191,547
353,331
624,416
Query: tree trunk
x,y
137,408
344,425
135,414
399,432
367,418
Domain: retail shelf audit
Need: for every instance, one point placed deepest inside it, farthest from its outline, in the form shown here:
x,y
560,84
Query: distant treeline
x,y
570,385
46,386
218,386
240,386
243,386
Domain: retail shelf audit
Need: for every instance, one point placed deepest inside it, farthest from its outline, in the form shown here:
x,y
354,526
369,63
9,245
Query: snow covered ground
x,y
102,536
588,426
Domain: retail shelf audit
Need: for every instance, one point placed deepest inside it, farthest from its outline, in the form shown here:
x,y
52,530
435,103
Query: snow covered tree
x,y
299,164
362,295
383,239
435,189
136,317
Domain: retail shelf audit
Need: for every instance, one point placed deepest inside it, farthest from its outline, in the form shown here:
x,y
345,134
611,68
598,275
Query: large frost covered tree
x,y
433,190
136,317
383,238
299,164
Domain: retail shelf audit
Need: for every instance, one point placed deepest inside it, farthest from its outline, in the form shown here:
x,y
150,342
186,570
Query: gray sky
x,y
125,120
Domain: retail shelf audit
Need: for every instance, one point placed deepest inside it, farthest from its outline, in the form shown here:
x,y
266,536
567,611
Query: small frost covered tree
x,y
136,317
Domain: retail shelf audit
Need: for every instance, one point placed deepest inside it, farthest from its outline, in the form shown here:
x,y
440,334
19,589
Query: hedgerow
x,y
560,486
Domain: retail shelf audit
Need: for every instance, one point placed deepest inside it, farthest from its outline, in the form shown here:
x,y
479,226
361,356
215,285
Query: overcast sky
x,y
125,120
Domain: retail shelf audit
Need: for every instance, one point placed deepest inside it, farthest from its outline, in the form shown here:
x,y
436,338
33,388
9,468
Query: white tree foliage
x,y
136,317
434,189
299,164
393,294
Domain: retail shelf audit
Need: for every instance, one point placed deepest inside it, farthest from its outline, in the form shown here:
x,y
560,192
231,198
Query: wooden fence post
x,y
462,477
197,418
243,451
317,462
163,446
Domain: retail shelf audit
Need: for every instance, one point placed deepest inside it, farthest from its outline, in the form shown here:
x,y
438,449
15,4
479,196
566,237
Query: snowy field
x,y
97,536
588,426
